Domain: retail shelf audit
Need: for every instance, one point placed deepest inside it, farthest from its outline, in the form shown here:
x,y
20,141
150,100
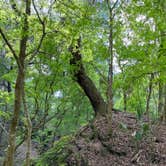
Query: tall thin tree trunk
x,y
19,86
110,72
149,95
160,99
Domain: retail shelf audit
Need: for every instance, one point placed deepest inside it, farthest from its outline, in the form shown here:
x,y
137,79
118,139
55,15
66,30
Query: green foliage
x,y
5,100
142,132
56,155
4,115
139,46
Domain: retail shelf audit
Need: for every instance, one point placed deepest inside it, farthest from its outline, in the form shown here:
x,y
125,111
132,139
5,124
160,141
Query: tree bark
x,y
29,129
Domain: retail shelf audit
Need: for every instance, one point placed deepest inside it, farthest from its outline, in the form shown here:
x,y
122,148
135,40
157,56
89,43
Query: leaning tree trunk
x,y
97,102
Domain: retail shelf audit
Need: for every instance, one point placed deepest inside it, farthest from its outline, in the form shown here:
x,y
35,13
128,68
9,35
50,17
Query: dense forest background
x,y
64,63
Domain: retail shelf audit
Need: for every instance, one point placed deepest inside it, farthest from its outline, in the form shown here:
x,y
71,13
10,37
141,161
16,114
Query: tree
x,y
99,106
61,44
20,59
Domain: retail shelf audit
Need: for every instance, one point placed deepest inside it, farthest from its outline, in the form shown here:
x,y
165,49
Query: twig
x,y
42,22
136,157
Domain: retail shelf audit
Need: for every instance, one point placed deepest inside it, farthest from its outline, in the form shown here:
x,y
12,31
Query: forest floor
x,y
132,143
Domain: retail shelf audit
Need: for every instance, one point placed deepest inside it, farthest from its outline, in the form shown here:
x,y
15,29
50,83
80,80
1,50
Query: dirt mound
x,y
131,143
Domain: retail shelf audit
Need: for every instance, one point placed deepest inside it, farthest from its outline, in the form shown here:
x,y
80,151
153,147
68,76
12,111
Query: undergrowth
x,y
57,155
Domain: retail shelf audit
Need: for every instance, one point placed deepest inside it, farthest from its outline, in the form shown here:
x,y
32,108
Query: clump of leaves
x,y
57,155
144,130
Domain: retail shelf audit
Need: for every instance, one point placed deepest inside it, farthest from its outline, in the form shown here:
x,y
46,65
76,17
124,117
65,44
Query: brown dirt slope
x,y
132,143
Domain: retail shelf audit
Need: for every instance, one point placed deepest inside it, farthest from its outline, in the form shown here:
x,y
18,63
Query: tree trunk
x,y
19,86
29,129
110,66
9,160
98,104
160,100
149,95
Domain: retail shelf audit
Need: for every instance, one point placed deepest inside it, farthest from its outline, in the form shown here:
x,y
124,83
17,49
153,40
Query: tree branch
x,y
25,28
38,15
114,5
10,46
42,22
